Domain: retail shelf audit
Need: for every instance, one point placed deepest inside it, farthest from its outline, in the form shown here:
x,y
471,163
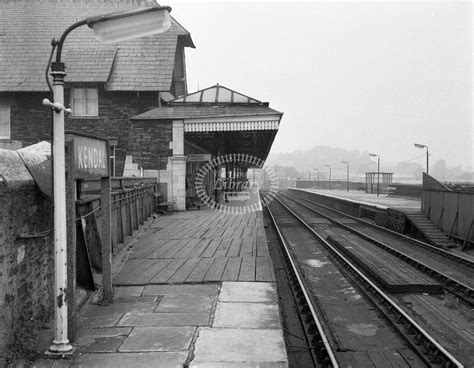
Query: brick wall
x,y
149,143
26,264
146,141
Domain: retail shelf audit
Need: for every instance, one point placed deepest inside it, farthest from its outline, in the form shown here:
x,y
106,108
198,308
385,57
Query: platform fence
x,y
452,212
133,202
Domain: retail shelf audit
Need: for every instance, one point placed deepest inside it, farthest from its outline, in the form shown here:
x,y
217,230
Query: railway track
x,y
314,331
331,346
436,263
432,249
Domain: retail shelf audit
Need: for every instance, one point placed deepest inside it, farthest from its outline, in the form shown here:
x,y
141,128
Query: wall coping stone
x,y
13,172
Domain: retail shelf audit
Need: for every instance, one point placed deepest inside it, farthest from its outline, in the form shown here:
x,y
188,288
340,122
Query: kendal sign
x,y
90,157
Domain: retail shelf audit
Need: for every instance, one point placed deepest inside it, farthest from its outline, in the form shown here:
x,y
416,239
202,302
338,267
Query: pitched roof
x,y
215,101
27,28
216,94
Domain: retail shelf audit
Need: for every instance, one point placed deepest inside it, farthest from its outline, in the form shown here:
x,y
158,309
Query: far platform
x,y
383,200
199,246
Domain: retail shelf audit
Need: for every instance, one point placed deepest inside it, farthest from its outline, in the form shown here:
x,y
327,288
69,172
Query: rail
x,y
426,346
431,248
325,348
454,286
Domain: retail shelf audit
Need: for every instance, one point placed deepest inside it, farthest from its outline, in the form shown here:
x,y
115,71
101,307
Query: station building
x,y
216,123
127,93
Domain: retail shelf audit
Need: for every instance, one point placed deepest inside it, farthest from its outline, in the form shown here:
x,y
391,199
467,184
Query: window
x,y
85,102
4,122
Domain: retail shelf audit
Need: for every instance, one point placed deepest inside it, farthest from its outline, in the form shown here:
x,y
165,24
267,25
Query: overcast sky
x,y
370,76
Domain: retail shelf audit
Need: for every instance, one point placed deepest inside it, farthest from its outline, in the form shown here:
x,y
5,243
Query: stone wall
x,y
26,247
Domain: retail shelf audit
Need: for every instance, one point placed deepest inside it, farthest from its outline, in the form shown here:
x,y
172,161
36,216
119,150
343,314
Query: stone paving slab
x,y
247,315
99,321
186,303
101,340
164,319
220,347
239,365
170,339
103,332
208,289
248,292
121,306
101,344
135,360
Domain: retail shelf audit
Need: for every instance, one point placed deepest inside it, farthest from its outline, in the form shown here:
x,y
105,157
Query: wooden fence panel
x,y
131,207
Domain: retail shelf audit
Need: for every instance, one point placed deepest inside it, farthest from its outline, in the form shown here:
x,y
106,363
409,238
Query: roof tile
x,y
27,28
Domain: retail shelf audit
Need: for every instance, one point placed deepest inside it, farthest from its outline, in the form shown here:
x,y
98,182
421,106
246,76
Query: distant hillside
x,y
359,162
319,156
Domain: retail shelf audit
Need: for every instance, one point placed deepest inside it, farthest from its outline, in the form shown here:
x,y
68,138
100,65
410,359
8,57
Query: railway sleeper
x,y
429,349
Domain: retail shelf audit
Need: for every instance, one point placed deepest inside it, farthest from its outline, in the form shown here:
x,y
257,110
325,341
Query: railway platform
x,y
197,289
382,201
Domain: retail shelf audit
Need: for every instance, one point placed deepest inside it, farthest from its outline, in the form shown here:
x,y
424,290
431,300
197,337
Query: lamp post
x,y
347,163
329,176
378,171
318,176
108,28
427,155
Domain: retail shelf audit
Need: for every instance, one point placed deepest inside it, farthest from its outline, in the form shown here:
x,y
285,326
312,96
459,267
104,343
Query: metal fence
x,y
452,212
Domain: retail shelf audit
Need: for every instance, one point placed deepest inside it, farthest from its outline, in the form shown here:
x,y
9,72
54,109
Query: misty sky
x,y
370,76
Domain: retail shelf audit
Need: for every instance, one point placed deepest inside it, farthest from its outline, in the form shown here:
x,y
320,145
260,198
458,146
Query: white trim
x,y
225,126
234,119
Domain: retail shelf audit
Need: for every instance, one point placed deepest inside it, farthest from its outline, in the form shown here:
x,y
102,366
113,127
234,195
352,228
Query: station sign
x,y
91,158
199,157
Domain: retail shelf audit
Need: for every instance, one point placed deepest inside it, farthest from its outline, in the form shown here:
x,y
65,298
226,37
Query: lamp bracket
x,y
56,106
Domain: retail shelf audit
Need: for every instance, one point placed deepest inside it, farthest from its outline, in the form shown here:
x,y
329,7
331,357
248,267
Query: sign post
x,y
87,157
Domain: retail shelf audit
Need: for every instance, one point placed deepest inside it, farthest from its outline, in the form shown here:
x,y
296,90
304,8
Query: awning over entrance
x,y
220,121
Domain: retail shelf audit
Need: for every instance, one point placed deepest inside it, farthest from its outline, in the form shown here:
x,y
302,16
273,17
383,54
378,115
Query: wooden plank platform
x,y
393,274
199,246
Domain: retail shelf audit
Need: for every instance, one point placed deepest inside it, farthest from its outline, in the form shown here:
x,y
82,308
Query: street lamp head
x,y
130,24
373,155
328,166
345,162
420,146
